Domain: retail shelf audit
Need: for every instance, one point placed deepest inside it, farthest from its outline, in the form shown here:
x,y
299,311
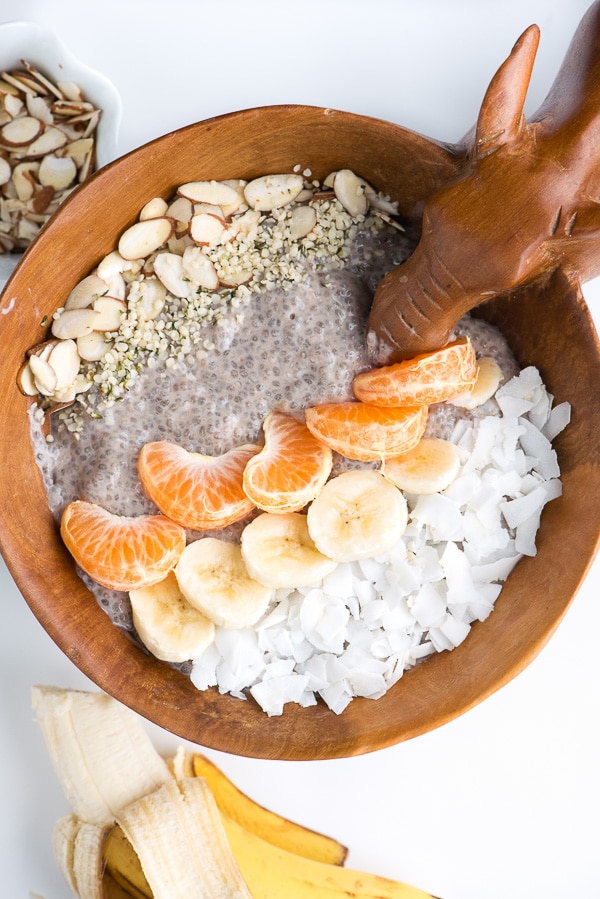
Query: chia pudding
x,y
288,346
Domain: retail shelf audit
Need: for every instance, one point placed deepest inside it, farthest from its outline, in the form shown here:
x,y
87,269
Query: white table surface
x,y
502,802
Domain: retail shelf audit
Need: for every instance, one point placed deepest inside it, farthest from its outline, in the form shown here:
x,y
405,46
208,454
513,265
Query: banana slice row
x,y
357,515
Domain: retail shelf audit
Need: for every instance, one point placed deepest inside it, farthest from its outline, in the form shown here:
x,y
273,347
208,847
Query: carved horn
x,y
501,120
525,202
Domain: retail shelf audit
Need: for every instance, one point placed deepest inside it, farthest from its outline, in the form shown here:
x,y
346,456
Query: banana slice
x,y
357,515
213,577
489,375
428,468
279,552
167,624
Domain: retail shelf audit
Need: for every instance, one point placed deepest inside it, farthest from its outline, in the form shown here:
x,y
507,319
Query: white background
x,y
504,801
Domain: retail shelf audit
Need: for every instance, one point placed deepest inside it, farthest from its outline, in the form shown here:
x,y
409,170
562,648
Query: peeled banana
x,y
180,829
167,624
357,515
428,468
213,578
489,375
101,755
279,552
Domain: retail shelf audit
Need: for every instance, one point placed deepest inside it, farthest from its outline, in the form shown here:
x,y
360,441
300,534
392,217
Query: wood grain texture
x,y
548,325
524,202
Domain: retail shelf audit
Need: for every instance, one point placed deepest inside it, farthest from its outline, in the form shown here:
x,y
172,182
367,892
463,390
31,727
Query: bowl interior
x,y
548,326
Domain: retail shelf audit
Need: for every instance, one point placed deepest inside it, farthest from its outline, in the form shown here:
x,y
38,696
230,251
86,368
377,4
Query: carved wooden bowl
x,y
548,326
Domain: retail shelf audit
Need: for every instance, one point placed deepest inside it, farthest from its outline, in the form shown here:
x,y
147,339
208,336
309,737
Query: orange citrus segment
x,y
118,552
367,433
290,469
429,378
196,491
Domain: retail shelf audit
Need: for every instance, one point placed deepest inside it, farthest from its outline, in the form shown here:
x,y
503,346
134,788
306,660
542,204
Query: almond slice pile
x,y
211,243
47,147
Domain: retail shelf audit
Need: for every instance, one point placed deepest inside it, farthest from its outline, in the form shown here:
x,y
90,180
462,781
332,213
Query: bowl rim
x,y
218,721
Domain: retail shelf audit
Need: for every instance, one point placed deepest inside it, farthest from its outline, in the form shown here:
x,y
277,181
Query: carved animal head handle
x,y
526,200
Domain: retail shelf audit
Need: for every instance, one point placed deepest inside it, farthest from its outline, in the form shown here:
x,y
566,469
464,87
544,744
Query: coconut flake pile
x,y
357,631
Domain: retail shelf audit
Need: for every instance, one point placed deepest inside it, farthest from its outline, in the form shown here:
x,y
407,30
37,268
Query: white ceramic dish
x,y
42,48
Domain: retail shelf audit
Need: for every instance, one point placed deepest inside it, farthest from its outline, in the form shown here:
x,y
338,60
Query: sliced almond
x,y
207,230
27,231
302,221
85,169
209,209
42,199
155,208
13,105
74,323
217,192
273,191
21,132
328,181
145,237
37,107
110,312
23,181
201,270
18,83
350,191
240,201
26,381
179,243
45,83
83,382
169,269
43,349
71,108
57,171
377,201
7,89
305,195
65,361
85,292
111,266
65,396
70,90
44,376
79,149
236,279
181,209
93,347
51,140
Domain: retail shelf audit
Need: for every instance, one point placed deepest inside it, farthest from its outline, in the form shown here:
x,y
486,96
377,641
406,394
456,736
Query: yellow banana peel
x,y
268,825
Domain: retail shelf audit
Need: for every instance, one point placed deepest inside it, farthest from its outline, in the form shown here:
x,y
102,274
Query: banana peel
x,y
269,871
268,825
146,828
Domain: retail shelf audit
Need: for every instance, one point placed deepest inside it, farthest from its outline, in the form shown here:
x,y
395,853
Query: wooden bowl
x,y
548,326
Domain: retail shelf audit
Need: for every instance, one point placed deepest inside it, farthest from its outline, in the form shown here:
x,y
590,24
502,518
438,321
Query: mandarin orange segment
x,y
118,552
429,378
196,491
367,433
291,468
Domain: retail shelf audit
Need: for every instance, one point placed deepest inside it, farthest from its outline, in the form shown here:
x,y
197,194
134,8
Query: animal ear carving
x,y
523,203
501,120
